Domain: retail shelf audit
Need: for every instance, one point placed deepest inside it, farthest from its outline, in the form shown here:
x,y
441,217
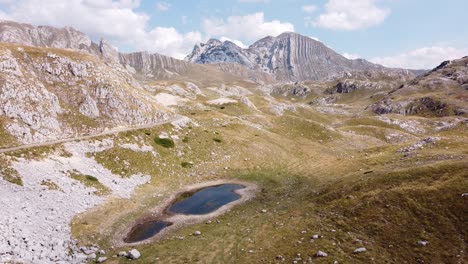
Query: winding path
x,y
109,132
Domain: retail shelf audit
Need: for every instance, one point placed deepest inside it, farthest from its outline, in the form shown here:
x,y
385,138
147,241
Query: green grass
x,y
296,127
304,184
164,142
401,207
90,181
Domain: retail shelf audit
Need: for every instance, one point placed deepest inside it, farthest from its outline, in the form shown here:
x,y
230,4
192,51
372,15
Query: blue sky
x,y
397,33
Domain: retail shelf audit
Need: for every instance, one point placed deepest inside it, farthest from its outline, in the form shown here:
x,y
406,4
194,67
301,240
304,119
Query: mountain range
x,y
343,160
289,57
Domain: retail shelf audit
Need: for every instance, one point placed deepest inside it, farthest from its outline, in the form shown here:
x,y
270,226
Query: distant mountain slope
x,y
45,36
289,57
143,64
440,92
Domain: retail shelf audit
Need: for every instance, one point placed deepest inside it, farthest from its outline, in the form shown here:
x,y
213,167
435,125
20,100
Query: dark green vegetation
x,y
164,142
186,164
218,140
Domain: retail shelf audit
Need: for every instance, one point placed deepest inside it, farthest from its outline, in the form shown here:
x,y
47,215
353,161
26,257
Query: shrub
x,y
218,140
91,178
164,142
186,164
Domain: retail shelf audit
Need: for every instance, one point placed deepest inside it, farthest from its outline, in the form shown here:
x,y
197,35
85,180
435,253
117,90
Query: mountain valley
x,y
351,161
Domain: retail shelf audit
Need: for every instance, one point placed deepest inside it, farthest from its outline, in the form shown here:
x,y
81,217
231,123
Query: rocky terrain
x,y
354,162
440,92
288,57
49,94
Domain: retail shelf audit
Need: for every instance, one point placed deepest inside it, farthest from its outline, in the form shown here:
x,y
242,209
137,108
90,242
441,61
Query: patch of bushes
x,y
164,142
186,164
217,140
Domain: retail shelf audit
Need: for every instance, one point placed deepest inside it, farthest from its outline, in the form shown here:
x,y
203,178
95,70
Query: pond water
x,y
205,200
146,230
199,202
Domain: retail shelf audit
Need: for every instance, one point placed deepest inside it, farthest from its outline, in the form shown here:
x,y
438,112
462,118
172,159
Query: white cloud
x,y
247,28
169,41
115,20
163,6
119,22
309,9
237,42
351,56
422,58
314,38
351,15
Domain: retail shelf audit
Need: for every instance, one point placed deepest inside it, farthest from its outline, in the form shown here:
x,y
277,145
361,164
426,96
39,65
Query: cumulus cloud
x,y
351,15
116,20
247,28
163,6
351,56
237,42
422,58
120,22
309,9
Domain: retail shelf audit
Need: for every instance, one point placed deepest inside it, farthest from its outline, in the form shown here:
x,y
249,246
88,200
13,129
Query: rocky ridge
x,y
440,92
141,64
49,94
288,57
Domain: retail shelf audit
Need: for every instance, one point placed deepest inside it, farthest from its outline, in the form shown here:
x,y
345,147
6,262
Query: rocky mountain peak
x,y
288,57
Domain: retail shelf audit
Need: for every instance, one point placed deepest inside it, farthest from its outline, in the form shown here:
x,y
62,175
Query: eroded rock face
x,y
288,57
32,108
44,36
47,96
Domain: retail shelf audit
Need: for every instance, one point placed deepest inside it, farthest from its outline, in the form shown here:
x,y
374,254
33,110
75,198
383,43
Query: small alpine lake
x,y
205,200
195,203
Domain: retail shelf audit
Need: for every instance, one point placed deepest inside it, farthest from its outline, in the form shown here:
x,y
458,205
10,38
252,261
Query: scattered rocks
x,y
280,258
197,233
101,260
122,254
423,243
133,254
419,145
320,254
263,211
360,250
